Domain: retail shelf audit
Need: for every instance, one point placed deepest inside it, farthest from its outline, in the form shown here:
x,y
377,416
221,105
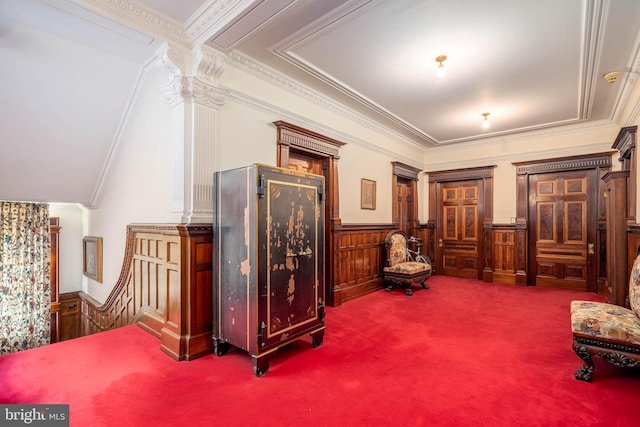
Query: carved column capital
x,y
200,61
184,88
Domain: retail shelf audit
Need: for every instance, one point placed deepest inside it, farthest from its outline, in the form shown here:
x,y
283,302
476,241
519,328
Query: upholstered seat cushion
x,y
607,321
408,268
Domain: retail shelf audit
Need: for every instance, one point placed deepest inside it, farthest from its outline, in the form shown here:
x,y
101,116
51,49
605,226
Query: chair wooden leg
x,y
408,290
585,373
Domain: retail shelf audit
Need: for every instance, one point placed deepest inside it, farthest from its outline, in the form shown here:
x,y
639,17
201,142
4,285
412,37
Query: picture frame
x,y
367,194
92,257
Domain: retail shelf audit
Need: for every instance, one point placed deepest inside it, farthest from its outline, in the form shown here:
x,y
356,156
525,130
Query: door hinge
x,y
261,187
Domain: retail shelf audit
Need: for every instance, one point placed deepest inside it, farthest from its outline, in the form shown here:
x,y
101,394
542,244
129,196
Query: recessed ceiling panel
x,y
504,59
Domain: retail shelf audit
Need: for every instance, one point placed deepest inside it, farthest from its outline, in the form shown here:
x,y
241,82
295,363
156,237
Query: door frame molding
x,y
601,162
292,138
402,170
484,173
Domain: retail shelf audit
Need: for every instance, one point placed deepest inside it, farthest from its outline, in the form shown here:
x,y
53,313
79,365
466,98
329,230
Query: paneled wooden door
x,y
562,217
405,206
460,235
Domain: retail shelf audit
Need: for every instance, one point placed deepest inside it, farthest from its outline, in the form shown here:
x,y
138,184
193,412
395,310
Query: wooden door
x,y
460,229
405,205
562,213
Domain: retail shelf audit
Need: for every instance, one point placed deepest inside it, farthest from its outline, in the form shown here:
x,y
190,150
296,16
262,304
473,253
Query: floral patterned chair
x,y
400,266
606,330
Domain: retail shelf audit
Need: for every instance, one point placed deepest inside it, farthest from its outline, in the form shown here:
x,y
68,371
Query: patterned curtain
x,y
25,293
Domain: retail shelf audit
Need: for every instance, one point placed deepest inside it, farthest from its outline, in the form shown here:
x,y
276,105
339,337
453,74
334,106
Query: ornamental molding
x,y
405,171
484,172
625,142
249,65
210,18
137,16
293,117
191,89
204,63
602,160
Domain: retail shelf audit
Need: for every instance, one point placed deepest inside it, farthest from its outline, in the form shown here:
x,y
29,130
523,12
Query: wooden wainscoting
x,y
504,254
164,286
360,260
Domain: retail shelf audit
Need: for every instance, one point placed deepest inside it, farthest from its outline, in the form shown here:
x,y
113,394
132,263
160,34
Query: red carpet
x,y
463,353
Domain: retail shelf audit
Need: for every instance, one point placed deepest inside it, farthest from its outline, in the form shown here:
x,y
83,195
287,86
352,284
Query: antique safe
x,y
268,257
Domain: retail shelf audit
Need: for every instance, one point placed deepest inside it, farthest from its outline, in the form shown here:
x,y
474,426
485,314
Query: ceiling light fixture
x,y
441,71
611,77
485,122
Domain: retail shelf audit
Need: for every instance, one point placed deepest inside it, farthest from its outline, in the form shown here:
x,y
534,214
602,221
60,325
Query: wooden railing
x,y
164,286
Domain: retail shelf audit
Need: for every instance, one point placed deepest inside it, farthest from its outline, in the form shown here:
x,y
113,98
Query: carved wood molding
x,y
625,142
170,297
461,174
405,171
589,161
358,227
292,135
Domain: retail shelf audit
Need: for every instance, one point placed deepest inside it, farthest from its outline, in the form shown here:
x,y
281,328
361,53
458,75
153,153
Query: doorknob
x,y
440,242
591,249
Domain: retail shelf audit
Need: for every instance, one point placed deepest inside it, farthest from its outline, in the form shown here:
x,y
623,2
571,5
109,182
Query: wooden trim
x,y
626,144
164,286
563,164
291,137
405,171
54,274
485,174
599,161
450,175
616,290
306,140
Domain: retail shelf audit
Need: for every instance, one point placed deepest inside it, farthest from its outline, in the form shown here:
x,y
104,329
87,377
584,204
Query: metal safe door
x,y
293,216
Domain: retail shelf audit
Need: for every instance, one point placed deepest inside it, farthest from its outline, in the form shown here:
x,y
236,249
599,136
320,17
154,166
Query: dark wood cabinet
x,y
268,258
70,321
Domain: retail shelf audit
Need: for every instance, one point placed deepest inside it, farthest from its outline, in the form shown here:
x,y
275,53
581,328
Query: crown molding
x,y
255,68
321,128
135,15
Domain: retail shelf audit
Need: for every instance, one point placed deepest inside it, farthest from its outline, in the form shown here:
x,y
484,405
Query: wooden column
x,y
616,205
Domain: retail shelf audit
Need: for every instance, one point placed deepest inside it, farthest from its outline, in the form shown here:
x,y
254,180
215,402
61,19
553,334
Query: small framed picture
x,y
92,258
367,194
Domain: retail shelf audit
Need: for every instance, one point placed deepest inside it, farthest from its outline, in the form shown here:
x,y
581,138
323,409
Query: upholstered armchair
x,y
608,331
402,267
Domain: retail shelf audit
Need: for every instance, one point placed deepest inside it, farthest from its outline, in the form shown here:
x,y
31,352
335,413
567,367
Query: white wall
x,y
138,188
503,152
70,245
248,136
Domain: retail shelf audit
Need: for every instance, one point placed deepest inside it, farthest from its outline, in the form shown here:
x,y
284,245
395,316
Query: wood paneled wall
x,y
164,286
360,259
504,254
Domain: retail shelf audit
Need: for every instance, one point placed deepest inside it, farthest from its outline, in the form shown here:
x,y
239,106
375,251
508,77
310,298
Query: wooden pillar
x,y
617,276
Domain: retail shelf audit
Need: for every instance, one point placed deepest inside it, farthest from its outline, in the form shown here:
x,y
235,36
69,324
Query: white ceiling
x,y
531,64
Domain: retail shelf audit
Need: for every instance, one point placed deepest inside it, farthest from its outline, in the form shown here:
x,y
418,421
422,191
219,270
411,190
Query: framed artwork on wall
x,y
367,194
92,257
